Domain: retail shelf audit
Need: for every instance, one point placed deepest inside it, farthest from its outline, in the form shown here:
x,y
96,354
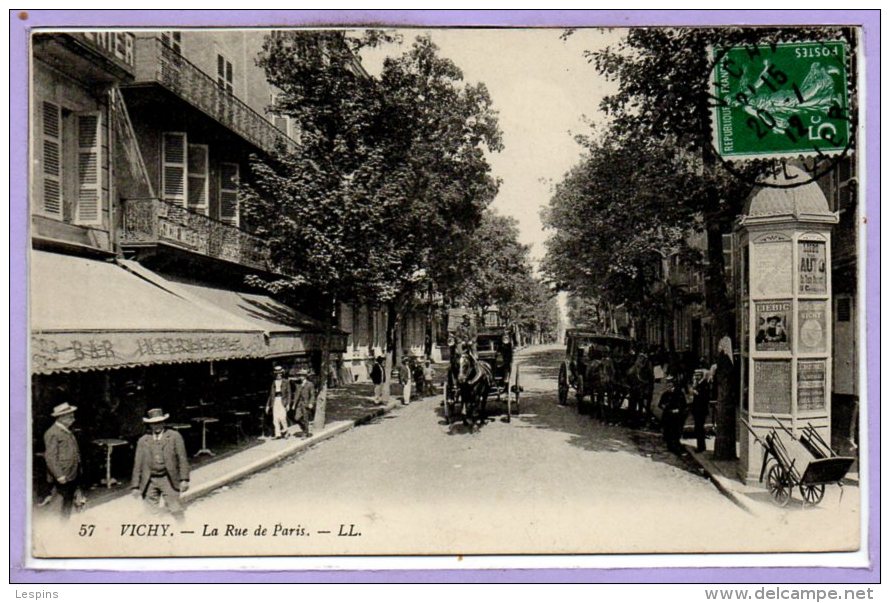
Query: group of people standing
x,y
160,466
623,385
415,375
710,387
291,401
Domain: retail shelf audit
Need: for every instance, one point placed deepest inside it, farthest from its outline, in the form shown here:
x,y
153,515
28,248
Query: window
x,y
173,174
70,165
51,199
198,178
224,77
228,193
89,169
173,39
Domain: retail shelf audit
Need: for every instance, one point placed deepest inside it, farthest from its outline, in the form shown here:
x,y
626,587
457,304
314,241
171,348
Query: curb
x,y
721,483
207,487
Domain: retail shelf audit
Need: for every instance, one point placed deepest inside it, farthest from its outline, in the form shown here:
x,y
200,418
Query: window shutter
x,y
51,199
228,193
89,169
174,184
198,179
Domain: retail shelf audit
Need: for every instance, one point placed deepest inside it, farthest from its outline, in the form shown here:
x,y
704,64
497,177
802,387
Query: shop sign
x,y
772,386
812,332
773,326
79,351
812,269
811,384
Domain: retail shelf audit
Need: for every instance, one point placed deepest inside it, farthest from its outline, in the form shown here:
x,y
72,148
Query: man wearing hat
x,y
303,401
280,399
466,334
378,378
62,456
161,466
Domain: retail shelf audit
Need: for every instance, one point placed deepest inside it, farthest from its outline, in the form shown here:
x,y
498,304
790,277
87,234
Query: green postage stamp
x,y
782,100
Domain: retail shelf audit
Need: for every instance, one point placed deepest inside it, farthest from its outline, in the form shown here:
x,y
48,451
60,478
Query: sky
x,y
545,92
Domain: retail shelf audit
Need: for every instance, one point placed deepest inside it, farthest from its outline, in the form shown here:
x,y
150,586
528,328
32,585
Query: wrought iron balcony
x,y
149,222
157,62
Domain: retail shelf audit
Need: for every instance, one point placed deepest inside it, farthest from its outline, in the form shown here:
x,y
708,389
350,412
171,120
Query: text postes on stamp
x,y
781,100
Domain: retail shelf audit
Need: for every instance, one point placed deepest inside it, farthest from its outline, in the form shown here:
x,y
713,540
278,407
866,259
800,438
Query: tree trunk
x,y
321,400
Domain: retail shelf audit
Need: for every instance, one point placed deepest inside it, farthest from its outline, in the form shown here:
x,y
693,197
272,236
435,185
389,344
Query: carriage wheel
x,y
563,386
579,395
812,493
778,485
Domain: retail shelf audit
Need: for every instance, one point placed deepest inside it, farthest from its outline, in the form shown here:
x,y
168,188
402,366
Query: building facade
x,y
138,292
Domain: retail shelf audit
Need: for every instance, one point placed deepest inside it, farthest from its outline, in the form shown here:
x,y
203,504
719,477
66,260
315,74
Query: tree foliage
x,y
652,181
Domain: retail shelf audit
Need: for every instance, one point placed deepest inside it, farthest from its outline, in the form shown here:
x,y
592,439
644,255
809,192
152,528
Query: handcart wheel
x,y
779,485
812,493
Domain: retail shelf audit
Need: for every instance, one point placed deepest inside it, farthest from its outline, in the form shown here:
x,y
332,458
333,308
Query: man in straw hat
x,y
63,456
279,401
161,466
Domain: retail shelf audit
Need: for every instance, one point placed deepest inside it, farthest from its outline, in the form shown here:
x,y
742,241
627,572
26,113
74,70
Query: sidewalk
x,y
754,498
347,407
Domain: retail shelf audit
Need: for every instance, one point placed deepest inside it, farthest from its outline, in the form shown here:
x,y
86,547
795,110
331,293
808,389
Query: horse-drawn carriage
x,y
471,381
593,366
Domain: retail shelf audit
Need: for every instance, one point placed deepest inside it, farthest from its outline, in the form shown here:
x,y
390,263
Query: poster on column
x,y
812,269
810,385
773,326
811,321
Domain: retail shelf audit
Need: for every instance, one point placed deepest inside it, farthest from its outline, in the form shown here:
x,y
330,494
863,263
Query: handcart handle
x,y
788,431
756,437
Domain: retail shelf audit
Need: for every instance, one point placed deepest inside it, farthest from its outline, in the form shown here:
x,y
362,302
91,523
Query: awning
x,y
91,314
288,331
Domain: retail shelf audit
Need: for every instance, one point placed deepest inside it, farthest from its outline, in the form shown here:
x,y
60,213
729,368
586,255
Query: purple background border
x,y
18,241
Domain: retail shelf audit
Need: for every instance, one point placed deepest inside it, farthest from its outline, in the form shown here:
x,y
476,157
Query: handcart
x,y
807,463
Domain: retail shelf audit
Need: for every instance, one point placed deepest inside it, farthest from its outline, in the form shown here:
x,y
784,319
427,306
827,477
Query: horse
x,y
474,380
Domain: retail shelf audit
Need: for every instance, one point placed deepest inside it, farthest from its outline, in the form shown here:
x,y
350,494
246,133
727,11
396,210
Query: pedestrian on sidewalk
x,y
378,378
160,466
280,399
303,401
701,404
419,381
673,406
429,376
406,378
62,456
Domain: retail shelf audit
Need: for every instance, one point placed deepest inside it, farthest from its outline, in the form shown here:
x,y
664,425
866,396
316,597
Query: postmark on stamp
x,y
781,100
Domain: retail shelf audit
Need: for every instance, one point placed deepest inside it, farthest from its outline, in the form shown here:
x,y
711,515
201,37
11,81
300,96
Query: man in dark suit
x,y
62,456
303,401
378,378
161,466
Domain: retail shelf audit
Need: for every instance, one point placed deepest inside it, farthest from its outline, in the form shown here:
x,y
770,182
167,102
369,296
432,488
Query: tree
x,y
437,131
496,264
664,96
386,172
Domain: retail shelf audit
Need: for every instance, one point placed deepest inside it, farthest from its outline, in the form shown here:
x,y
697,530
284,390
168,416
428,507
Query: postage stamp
x,y
782,100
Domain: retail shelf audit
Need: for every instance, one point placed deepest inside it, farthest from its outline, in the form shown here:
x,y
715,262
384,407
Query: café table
x,y
204,421
109,444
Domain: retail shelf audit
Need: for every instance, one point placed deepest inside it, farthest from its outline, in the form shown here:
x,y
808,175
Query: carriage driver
x,y
466,335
